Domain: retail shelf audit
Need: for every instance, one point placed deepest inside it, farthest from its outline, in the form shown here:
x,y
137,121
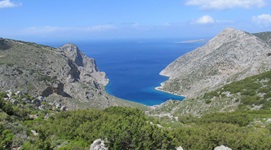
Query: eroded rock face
x,y
231,55
83,67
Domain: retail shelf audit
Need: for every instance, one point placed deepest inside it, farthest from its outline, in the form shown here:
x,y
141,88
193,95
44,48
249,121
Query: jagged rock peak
x,y
72,52
69,48
86,66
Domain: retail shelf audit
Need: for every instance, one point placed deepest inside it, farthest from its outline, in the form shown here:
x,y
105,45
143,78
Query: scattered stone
x,y
41,107
32,116
46,116
34,133
26,100
58,105
41,98
159,126
176,118
19,93
14,102
98,145
63,108
222,147
9,93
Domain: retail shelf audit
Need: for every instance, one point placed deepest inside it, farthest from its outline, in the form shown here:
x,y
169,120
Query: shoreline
x,y
158,89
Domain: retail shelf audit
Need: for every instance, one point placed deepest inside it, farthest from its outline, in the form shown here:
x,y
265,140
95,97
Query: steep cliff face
x,y
64,74
85,66
231,55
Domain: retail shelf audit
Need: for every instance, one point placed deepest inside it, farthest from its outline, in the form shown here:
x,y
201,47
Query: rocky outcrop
x,y
98,145
62,75
231,55
83,67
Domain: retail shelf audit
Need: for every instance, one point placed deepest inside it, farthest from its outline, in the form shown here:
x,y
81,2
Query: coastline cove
x,y
133,66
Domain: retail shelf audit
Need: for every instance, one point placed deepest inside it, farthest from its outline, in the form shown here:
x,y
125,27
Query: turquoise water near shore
x,y
133,66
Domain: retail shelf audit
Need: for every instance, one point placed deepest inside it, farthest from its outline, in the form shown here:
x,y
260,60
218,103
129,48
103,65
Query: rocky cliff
x,y
231,55
64,75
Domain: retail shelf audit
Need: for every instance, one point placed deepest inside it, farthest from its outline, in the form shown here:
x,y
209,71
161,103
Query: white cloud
x,y
226,4
43,30
7,4
264,19
99,28
53,29
166,24
205,20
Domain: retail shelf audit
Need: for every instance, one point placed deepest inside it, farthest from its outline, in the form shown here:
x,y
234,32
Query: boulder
x,y
222,147
98,145
34,133
179,148
268,120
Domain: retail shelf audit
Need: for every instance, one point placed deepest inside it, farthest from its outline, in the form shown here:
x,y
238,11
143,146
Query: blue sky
x,y
43,20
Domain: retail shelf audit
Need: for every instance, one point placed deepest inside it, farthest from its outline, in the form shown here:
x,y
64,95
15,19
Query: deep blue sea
x,y
133,66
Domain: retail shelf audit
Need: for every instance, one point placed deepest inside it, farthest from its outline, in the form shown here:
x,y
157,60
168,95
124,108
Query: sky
x,y
62,20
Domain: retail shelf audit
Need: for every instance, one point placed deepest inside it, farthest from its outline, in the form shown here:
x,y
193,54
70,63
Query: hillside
x,y
64,75
26,126
251,93
231,55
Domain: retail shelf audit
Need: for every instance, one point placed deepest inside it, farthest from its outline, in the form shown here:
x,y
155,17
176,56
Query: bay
x,y
133,66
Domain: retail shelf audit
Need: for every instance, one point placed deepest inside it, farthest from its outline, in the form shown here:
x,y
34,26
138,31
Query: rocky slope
x,y
265,36
63,75
251,93
231,55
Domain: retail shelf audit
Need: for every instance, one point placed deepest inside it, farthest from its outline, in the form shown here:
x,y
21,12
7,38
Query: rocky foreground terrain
x,y
62,75
231,55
